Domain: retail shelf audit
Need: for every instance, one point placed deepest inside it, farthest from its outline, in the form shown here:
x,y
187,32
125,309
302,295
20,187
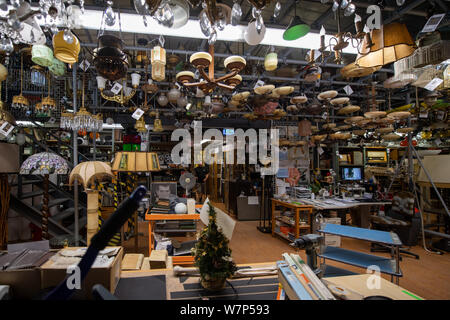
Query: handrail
x,y
59,139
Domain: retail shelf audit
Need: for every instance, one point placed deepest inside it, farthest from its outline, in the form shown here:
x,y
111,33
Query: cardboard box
x,y
158,259
24,283
332,240
107,277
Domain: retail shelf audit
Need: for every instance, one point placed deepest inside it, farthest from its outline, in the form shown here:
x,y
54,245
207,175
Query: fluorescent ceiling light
x,y
133,23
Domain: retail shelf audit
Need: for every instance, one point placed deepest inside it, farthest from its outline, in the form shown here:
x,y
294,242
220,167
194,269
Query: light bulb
x,y
322,31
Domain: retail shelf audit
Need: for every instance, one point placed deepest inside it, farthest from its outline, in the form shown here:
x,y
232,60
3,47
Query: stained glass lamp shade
x,y
44,163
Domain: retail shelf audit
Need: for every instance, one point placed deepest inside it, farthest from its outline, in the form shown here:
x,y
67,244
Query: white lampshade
x,y
207,101
271,61
101,82
135,78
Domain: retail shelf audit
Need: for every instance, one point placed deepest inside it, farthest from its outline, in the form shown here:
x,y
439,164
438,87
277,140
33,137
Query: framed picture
x,y
163,190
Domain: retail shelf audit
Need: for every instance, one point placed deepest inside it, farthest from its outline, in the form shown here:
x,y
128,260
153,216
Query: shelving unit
x,y
389,266
297,210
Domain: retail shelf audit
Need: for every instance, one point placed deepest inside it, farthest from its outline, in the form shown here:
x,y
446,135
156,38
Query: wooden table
x,y
152,218
296,208
358,283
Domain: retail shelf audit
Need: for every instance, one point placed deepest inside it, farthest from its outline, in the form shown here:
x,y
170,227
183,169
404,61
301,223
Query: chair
x,y
401,219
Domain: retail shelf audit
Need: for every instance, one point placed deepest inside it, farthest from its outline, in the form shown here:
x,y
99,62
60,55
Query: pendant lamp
x,y
390,43
296,29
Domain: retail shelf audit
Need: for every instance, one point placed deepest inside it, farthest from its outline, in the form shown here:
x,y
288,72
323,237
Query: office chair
x,y
401,219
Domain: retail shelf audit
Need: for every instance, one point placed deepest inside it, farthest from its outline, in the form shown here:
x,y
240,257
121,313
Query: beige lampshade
x,y
348,109
264,89
391,43
89,171
135,162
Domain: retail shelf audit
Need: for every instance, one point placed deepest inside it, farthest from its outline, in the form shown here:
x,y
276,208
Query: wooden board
x,y
358,284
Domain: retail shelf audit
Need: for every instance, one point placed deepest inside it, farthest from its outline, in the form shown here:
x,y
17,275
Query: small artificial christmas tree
x,y
213,256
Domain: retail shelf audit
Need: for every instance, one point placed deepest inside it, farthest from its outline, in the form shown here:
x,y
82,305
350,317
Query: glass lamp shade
x,y
296,29
162,100
20,139
158,72
271,61
174,94
390,43
158,55
135,79
182,101
101,82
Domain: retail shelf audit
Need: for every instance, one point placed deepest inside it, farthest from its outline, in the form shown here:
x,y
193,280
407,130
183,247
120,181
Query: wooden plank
x,y
358,283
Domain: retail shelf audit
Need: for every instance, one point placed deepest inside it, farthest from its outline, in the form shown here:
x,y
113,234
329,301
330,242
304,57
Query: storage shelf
x,y
282,235
359,259
300,226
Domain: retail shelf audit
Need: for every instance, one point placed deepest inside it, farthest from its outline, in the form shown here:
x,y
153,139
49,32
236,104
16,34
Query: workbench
x,y
296,208
257,288
343,204
182,288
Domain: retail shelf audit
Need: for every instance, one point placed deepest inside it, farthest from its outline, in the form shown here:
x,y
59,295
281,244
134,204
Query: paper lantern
x,y
158,55
158,72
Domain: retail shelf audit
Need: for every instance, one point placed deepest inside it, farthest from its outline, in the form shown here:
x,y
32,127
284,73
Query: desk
x,y
358,283
296,208
151,218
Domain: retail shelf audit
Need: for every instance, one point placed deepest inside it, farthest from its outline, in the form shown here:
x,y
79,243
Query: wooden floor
x,y
428,277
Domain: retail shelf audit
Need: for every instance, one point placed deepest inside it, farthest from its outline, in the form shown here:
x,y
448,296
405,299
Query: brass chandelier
x,y
207,83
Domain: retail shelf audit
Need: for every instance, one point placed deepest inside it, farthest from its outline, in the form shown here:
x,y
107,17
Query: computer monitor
x,y
352,174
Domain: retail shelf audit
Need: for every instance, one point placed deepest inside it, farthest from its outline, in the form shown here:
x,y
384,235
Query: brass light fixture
x,y
203,60
5,115
20,102
119,98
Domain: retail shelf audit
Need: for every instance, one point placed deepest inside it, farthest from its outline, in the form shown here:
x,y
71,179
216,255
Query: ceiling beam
x,y
322,18
403,11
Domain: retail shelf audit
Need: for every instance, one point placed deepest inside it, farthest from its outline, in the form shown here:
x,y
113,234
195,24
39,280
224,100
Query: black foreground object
x,y
100,240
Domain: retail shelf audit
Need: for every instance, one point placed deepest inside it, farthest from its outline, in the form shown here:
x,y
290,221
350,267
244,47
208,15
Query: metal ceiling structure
x,y
413,13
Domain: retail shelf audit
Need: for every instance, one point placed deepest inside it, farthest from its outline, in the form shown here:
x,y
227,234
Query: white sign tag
x,y
253,200
51,120
433,22
116,88
423,114
433,84
6,128
138,113
258,84
348,90
84,65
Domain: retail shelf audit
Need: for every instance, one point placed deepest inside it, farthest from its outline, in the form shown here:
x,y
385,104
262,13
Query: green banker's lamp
x,y
297,28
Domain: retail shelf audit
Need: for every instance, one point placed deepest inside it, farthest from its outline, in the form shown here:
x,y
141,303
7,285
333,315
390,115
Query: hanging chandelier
x,y
47,104
20,102
342,39
203,60
83,120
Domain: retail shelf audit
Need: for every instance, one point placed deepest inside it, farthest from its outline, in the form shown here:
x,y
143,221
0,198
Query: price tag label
x,y
348,90
84,65
433,22
433,84
423,114
258,84
320,150
6,128
441,115
116,88
137,114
